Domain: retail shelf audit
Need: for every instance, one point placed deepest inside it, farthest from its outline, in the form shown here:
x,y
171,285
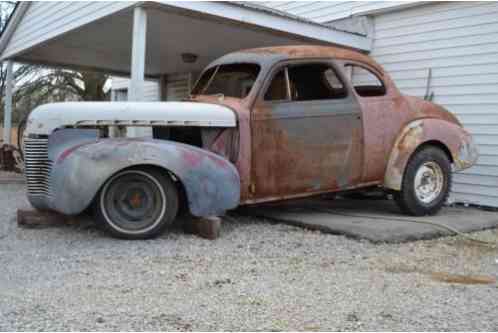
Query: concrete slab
x,y
374,220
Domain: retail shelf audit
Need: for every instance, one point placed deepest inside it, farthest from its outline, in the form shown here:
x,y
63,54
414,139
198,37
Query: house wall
x,y
151,88
46,20
326,11
177,86
458,41
173,87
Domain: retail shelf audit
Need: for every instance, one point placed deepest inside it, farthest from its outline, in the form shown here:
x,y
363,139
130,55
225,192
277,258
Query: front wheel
x,y
137,204
426,182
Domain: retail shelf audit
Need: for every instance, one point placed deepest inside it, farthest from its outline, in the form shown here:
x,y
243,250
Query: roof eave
x,y
14,20
243,14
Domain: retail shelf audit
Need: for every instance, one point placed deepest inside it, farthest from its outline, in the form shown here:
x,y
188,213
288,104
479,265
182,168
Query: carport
x,y
145,40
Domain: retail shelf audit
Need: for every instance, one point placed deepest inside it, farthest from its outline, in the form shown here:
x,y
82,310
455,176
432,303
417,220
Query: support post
x,y
7,110
136,88
136,91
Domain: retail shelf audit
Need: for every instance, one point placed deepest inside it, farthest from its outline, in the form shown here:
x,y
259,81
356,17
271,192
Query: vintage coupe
x,y
260,125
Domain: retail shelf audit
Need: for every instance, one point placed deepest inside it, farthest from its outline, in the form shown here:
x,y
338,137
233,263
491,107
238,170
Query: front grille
x,y
37,166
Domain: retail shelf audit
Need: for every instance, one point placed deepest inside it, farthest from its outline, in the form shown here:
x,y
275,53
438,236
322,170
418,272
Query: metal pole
x,y
7,110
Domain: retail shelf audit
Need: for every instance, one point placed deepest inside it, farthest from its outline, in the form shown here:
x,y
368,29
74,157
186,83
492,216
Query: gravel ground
x,y
257,276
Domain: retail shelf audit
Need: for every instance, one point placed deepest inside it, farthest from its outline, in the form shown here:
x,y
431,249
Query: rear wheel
x,y
426,182
137,204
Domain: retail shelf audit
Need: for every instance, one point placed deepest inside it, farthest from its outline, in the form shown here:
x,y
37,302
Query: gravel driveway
x,y
257,276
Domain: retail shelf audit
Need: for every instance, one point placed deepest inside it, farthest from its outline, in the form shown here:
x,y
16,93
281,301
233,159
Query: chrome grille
x,y
37,166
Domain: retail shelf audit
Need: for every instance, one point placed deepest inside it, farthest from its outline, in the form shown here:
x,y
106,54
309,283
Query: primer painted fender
x,y
458,141
82,163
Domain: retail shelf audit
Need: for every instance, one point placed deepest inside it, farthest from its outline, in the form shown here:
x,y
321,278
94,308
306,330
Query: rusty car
x,y
260,125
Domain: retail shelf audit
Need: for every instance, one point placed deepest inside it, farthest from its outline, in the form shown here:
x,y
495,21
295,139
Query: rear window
x,y
232,80
365,82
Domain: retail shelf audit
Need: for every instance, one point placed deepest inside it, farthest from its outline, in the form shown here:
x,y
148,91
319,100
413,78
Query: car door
x,y
376,101
306,132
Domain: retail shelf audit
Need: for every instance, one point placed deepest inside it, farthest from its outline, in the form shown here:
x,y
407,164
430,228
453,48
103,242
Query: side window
x,y
277,90
311,82
365,82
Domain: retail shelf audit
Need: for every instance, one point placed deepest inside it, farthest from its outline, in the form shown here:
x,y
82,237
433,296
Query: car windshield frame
x,y
204,83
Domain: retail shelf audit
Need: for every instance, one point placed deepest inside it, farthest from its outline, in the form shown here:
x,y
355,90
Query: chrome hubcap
x,y
429,181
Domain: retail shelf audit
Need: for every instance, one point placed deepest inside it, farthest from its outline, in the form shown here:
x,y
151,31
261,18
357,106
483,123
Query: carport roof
x,y
98,35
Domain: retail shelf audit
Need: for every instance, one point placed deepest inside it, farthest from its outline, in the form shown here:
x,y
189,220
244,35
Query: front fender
x,y
459,143
80,168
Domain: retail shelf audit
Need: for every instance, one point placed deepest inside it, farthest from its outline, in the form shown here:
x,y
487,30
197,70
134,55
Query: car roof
x,y
270,55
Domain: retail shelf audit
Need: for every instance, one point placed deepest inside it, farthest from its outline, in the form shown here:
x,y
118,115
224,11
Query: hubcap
x,y
134,202
429,181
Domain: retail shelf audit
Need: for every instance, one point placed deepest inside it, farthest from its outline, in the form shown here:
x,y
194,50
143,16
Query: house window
x,y
365,82
311,82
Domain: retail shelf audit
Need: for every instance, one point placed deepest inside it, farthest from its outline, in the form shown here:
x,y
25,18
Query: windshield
x,y
233,80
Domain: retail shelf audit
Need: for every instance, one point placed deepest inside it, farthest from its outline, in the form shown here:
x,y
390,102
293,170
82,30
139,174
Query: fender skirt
x,y
459,143
82,163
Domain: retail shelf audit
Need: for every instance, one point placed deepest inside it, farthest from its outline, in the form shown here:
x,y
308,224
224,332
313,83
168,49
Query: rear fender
x,y
458,142
81,166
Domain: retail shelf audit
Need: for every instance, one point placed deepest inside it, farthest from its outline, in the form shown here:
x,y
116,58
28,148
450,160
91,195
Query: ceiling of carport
x,y
106,44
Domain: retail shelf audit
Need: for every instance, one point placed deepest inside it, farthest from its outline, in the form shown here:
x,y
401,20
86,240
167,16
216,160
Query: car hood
x,y
46,118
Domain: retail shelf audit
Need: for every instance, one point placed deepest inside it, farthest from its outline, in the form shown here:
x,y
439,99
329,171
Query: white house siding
x,y
326,11
177,86
151,88
459,42
46,20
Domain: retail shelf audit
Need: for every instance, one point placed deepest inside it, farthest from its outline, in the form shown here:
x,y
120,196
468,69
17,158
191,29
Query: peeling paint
x,y
467,154
211,182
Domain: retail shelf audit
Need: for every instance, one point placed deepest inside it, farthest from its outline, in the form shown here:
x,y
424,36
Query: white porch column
x,y
136,89
7,109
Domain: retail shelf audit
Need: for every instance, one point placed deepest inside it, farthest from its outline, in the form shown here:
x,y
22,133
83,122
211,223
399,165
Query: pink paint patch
x,y
68,151
219,162
192,158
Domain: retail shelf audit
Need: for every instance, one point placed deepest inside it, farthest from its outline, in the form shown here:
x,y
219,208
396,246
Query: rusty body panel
x,y
296,149
243,158
463,152
211,182
305,147
312,51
